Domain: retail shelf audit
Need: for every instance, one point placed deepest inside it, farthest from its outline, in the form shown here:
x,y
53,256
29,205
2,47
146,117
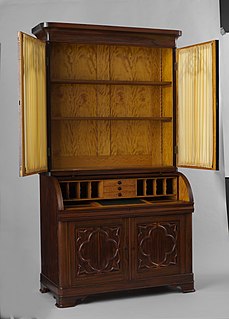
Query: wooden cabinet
x,y
99,122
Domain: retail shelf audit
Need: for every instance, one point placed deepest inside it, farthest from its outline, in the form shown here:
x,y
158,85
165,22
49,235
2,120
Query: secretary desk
x,y
107,115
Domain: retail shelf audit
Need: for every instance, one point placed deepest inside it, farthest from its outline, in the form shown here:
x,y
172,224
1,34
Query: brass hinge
x,y
48,152
176,149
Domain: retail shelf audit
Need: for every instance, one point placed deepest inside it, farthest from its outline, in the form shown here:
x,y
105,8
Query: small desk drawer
x,y
120,194
119,182
119,188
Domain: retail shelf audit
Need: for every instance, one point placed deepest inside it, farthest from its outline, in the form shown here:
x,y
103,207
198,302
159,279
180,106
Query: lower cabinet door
x,y
99,251
158,246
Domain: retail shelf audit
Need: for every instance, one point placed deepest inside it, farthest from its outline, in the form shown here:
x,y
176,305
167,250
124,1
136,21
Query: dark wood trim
x,y
82,292
127,211
93,27
174,109
48,94
113,173
102,34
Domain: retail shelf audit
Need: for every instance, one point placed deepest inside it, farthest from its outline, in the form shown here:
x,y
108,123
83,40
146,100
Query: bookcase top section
x,y
103,34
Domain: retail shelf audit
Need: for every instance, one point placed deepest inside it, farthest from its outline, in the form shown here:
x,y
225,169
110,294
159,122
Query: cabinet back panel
x,y
110,143
103,62
135,101
74,100
106,140
71,100
109,62
131,138
167,147
122,137
104,162
73,61
135,64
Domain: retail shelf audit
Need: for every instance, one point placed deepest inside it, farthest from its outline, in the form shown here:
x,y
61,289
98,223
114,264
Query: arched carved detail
x,y
157,245
97,250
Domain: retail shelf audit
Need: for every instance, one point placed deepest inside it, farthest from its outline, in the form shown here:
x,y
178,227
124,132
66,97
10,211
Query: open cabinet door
x,y
197,106
33,141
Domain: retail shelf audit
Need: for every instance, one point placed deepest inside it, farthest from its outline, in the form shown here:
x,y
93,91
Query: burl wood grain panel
x,y
135,63
107,142
77,61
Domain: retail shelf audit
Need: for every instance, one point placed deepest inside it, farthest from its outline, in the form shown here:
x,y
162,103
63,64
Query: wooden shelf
x,y
111,118
112,82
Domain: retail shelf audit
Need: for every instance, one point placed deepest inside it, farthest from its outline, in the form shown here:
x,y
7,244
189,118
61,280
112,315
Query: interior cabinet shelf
x,y
111,82
112,118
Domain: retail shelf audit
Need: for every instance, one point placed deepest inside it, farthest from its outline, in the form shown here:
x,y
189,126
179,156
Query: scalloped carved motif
x,y
157,245
98,250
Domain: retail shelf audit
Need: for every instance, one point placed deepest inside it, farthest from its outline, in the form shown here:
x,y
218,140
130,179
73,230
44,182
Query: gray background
x,y
19,197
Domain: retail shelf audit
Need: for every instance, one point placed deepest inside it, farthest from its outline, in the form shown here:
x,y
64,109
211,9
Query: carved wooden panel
x,y
98,250
158,247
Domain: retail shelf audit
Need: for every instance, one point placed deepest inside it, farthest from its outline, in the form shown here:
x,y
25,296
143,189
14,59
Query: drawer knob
x,y
119,182
119,194
119,188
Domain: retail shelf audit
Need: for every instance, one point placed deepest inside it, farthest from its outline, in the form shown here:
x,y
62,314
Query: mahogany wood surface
x,y
86,33
113,248
49,204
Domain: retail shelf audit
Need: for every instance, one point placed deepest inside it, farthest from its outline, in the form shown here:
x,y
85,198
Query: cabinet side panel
x,y
49,241
188,240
